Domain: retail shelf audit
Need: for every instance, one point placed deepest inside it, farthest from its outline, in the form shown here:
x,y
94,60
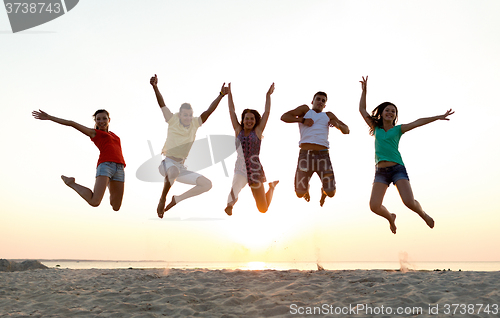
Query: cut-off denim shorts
x,y
114,171
390,174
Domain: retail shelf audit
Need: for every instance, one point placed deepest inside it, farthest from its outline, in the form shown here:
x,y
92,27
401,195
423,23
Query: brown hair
x,y
98,112
376,116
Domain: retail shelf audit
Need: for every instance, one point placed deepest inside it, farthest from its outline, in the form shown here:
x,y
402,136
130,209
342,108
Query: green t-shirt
x,y
387,143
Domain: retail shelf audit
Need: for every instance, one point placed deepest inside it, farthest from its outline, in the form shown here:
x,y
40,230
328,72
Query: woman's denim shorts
x,y
114,171
391,174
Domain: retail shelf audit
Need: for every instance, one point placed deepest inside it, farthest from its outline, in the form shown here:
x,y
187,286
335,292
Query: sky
x,y
424,56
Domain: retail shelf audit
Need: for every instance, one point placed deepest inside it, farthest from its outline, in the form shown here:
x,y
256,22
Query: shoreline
x,y
259,265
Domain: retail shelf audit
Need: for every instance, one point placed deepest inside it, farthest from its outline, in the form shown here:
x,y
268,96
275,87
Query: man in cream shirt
x,y
182,127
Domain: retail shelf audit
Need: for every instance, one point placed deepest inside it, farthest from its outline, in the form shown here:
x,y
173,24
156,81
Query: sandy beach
x,y
240,293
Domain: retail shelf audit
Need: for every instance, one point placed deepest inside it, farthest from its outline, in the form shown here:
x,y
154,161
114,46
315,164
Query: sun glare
x,y
254,231
255,266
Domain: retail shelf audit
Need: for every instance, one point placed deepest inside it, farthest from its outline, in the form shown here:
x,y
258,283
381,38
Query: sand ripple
x,y
235,293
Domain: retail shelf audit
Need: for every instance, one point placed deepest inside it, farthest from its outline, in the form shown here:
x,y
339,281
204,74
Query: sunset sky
x,y
424,56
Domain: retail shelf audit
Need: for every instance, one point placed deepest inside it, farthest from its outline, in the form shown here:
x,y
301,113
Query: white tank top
x,y
318,132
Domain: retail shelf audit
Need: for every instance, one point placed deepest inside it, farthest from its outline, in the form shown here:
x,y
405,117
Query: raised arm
x,y
166,112
362,102
223,92
44,116
232,111
335,122
425,121
263,121
297,116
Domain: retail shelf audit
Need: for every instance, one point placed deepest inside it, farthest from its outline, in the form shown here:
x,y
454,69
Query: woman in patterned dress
x,y
248,168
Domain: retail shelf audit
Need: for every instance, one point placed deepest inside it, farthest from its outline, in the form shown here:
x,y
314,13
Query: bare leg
x,y
262,199
92,198
377,196
116,189
172,174
406,194
202,185
270,192
229,207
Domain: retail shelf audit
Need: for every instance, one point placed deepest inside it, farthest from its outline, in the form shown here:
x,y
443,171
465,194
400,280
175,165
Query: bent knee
x,y
94,204
204,183
410,204
331,193
173,172
374,206
300,194
262,208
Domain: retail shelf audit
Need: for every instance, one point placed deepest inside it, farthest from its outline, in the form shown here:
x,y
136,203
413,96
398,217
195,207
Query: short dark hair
x,y
185,106
321,94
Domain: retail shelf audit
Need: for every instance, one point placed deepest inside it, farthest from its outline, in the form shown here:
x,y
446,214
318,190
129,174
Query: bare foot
x,y
323,197
393,224
161,208
171,204
273,184
229,210
307,197
68,181
428,220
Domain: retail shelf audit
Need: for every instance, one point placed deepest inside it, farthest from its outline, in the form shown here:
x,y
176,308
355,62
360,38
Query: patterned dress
x,y
250,147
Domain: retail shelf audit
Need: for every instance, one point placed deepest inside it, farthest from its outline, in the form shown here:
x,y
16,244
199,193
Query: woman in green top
x,y
389,164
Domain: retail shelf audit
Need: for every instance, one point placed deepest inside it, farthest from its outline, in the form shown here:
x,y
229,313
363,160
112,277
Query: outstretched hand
x,y
225,90
364,82
40,115
154,80
271,89
448,113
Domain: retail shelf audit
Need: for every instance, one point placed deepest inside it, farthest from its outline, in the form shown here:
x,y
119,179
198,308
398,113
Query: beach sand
x,y
241,293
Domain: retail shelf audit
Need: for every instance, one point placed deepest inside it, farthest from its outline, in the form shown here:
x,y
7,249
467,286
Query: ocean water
x,y
258,265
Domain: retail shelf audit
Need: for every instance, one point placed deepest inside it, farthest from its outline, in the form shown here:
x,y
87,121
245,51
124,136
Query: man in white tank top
x,y
313,156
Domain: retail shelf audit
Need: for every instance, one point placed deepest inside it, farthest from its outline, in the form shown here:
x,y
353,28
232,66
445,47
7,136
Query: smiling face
x,y
389,113
319,102
102,121
186,116
249,121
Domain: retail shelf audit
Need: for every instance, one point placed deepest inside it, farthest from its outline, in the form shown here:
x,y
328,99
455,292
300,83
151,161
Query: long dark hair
x,y
98,112
376,116
255,113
